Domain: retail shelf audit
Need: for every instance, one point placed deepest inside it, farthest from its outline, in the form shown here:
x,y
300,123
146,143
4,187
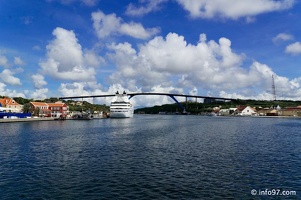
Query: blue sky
x,y
227,48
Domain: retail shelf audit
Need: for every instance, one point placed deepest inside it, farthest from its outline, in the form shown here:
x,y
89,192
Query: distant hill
x,y
197,108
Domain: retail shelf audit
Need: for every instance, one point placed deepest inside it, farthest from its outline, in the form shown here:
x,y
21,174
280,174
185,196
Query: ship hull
x,y
121,114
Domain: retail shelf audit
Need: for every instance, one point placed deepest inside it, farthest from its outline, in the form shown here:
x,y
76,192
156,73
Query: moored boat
x,y
121,107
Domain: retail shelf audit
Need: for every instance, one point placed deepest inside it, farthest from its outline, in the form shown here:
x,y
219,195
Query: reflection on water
x,y
150,157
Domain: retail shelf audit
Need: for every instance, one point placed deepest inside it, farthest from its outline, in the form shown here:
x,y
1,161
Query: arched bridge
x,y
153,93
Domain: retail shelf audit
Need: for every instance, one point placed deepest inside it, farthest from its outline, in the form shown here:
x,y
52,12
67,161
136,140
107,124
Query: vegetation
x,y
85,106
192,107
197,108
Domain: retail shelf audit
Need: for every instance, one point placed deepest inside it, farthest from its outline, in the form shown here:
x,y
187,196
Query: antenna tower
x,y
273,88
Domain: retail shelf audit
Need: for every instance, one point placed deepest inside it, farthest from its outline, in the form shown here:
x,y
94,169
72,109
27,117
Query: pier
x,y
8,120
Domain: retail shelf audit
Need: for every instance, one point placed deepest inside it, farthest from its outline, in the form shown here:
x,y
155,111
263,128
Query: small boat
x,y
6,115
82,116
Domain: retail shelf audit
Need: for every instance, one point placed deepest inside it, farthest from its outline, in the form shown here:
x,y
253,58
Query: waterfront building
x,y
58,109
224,112
245,111
291,111
10,105
42,109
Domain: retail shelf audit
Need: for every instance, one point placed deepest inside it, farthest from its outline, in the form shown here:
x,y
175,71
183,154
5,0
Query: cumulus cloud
x,y
84,89
233,9
106,25
38,80
146,7
209,64
92,59
152,100
294,48
132,69
65,59
197,68
80,88
7,76
40,93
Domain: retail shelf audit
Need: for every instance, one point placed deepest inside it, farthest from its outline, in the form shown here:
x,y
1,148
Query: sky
x,y
220,48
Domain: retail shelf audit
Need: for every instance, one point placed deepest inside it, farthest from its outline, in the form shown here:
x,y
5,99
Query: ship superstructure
x,y
121,107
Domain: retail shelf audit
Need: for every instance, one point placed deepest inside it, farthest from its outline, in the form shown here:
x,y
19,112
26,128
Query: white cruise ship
x,y
121,106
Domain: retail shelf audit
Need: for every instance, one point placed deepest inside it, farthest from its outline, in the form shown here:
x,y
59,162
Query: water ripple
x,y
150,157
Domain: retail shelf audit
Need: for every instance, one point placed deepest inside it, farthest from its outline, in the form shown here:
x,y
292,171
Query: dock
x,y
8,120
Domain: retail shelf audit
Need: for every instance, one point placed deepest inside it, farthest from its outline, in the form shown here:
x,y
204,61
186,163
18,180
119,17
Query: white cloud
x,y
79,88
93,60
38,80
8,92
261,96
84,89
65,59
40,93
65,49
150,6
283,37
85,2
151,100
7,76
294,48
3,61
136,30
106,25
92,88
197,68
208,63
133,70
233,9
193,91
18,61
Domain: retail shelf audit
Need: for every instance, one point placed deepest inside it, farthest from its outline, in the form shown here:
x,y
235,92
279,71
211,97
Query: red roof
x,y
241,108
8,101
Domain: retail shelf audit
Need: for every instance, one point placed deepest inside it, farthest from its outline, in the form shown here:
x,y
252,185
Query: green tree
x,y
26,108
36,112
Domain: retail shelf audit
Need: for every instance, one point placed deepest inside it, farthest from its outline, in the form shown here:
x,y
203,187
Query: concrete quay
x,y
8,120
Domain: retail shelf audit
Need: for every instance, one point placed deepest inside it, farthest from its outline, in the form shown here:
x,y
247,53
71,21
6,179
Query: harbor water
x,y
152,157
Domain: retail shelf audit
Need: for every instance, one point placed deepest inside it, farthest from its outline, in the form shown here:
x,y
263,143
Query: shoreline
x,y
8,120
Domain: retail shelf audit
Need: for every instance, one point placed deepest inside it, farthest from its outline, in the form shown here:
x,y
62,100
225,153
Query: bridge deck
x,y
148,93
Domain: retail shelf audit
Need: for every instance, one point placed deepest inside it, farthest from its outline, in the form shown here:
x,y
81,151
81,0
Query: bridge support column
x,y
179,104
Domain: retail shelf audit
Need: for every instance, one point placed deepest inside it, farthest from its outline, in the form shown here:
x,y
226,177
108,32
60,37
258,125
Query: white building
x,y
248,111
